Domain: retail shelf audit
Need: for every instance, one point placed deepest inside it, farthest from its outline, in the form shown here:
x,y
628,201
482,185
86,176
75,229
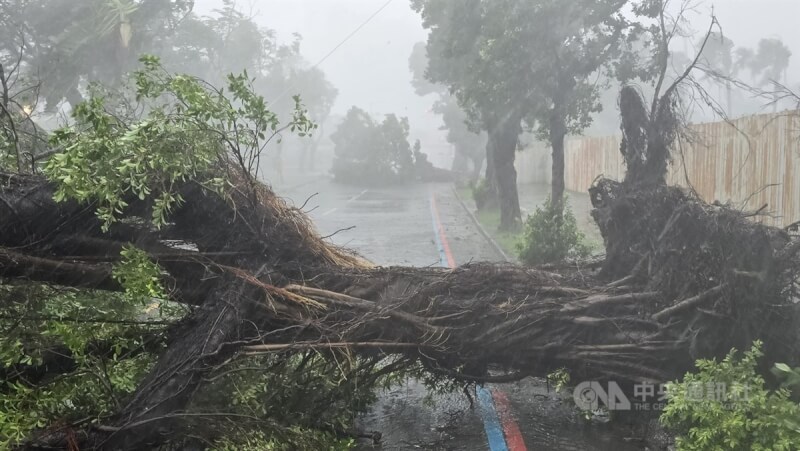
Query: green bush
x,y
725,405
548,238
481,193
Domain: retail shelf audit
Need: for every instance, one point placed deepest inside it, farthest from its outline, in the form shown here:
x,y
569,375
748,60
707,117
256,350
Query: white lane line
x,y
357,196
354,198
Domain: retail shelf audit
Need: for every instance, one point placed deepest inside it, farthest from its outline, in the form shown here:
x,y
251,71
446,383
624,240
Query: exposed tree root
x,y
681,280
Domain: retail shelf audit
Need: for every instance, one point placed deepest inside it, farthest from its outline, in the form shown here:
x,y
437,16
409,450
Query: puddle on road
x,y
411,419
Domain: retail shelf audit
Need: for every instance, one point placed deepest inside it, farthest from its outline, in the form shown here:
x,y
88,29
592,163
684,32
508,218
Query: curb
x,y
480,228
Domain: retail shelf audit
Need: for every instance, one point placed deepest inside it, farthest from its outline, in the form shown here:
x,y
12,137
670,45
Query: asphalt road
x,y
398,226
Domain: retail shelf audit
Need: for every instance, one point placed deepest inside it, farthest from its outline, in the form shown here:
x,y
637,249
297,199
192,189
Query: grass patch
x,y
490,220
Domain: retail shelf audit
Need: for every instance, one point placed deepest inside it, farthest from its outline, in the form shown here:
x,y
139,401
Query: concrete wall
x,y
752,162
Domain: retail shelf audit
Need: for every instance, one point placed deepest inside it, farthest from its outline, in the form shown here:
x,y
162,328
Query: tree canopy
x,y
469,145
371,152
508,61
61,47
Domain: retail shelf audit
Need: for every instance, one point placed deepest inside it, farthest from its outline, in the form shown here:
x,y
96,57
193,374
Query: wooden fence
x,y
750,162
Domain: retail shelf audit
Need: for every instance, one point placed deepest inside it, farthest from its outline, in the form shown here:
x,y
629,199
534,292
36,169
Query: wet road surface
x,y
398,226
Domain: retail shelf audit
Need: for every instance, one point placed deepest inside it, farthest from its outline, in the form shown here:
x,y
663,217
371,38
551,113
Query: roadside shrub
x,y
482,194
725,405
548,238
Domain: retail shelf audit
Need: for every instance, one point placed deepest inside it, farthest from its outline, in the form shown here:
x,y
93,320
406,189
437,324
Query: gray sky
x,y
371,69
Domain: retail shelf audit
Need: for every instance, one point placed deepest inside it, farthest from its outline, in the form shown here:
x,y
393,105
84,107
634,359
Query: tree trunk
x,y
477,164
558,131
460,162
729,96
488,198
504,136
274,282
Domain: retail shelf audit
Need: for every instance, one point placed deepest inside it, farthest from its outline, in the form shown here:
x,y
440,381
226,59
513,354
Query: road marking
x,y
510,428
491,422
356,197
502,432
445,256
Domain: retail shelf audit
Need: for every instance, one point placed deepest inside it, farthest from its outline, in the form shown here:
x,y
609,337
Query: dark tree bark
x,y
558,132
491,198
460,162
477,164
504,136
274,282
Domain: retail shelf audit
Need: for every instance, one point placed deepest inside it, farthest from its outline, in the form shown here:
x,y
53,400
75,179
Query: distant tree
x,y
469,145
62,46
573,41
65,44
514,60
228,41
394,139
368,152
481,72
772,60
745,60
718,57
767,65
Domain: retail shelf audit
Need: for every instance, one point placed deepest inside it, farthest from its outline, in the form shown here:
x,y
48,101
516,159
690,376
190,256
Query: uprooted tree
x,y
263,292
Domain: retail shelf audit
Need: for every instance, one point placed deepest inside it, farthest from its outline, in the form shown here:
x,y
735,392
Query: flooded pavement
x,y
426,225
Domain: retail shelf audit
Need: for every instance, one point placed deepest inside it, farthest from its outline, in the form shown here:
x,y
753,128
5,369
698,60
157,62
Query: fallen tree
x,y
681,280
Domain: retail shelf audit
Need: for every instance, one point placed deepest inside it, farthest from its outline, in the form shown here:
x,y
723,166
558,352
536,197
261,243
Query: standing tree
x,y
772,60
513,60
281,330
487,78
718,57
64,44
469,146
767,65
572,42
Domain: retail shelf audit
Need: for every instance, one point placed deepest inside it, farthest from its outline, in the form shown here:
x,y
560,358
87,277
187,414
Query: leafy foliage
x,y
305,400
294,439
551,237
61,44
482,194
509,61
371,152
139,275
190,126
468,144
72,356
745,416
94,346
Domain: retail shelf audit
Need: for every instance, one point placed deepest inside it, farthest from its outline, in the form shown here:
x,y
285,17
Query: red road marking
x,y
451,262
511,430
513,436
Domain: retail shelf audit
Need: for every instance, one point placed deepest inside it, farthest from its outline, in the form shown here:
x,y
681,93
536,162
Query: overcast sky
x,y
371,69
